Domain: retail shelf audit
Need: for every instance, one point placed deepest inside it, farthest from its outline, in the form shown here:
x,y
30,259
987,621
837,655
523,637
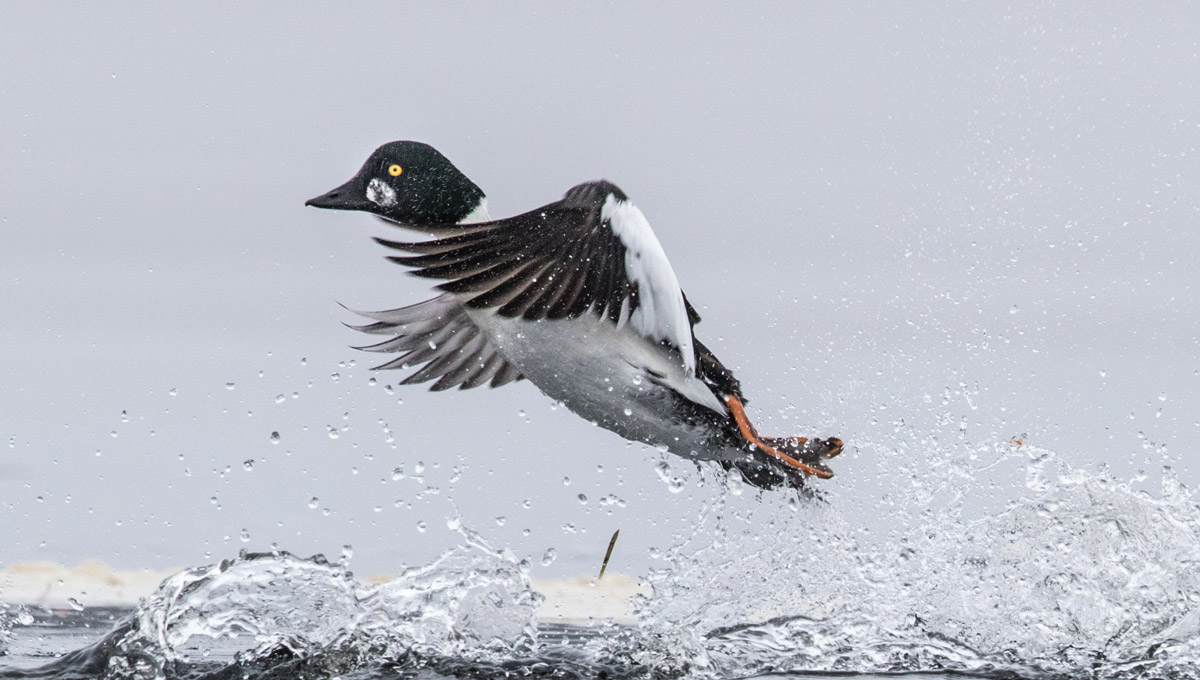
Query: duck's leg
x,y
787,450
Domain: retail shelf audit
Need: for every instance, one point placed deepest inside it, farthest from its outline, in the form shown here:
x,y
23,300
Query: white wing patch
x,y
660,314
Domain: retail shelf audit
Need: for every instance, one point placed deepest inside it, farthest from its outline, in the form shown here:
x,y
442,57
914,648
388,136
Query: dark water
x,y
68,644
1082,576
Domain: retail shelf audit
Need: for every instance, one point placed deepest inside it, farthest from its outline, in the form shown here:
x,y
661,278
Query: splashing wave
x,y
1081,575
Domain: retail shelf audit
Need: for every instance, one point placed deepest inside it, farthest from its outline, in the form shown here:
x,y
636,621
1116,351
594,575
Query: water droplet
x,y
173,391
628,412
582,499
248,464
279,398
312,505
24,617
336,376
372,381
421,526
453,523
419,467
230,386
549,556
333,432
1014,309
501,520
526,503
566,481
244,535
674,484
75,604
275,437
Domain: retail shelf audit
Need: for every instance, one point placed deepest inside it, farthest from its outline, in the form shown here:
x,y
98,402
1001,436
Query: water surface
x,y
1083,575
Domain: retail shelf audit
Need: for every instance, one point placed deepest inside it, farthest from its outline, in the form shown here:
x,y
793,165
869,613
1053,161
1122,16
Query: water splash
x,y
941,568
1081,572
6,624
275,610
271,600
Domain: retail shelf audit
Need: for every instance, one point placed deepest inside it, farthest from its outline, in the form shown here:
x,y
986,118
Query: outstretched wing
x,y
592,252
439,334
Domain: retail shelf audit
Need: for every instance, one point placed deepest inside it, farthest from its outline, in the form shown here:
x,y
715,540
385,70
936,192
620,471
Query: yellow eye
x,y
395,170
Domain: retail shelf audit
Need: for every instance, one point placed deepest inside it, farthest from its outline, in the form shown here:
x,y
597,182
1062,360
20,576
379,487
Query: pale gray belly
x,y
608,376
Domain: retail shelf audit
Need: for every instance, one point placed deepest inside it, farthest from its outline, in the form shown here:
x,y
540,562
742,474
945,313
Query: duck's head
x,y
407,182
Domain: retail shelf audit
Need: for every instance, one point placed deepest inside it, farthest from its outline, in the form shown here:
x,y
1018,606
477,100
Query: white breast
x,y
600,373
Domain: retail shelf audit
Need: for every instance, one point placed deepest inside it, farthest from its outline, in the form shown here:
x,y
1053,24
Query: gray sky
x,y
924,229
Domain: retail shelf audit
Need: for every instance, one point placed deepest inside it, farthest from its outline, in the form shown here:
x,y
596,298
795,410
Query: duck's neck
x,y
478,214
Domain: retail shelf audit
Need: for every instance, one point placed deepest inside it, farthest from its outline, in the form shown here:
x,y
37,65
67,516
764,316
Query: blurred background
x,y
917,227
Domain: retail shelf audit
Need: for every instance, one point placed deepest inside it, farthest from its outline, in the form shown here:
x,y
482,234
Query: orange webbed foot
x,y
800,453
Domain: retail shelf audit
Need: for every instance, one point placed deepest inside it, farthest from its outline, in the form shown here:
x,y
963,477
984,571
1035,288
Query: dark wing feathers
x,y
719,379
439,334
693,315
505,374
558,261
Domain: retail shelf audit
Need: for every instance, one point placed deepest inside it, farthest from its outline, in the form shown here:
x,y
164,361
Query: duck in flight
x,y
576,296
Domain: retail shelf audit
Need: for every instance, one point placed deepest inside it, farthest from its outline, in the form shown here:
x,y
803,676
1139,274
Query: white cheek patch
x,y
379,193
